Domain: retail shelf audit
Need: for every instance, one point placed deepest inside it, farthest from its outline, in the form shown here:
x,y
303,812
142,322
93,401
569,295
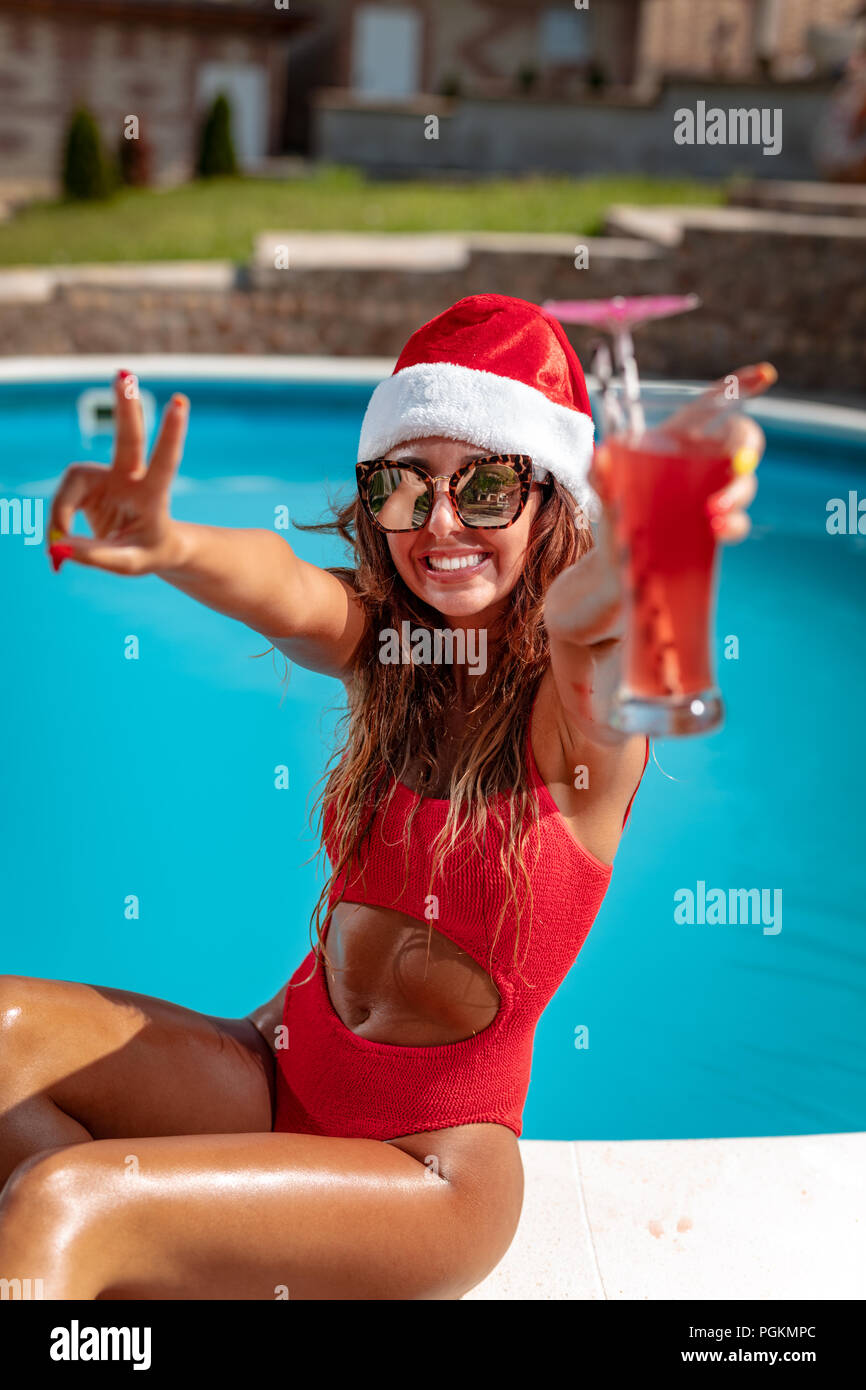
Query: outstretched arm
x,y
256,577
251,575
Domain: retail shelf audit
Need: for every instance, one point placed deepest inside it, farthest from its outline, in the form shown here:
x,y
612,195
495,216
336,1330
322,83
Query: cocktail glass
x,y
665,455
659,480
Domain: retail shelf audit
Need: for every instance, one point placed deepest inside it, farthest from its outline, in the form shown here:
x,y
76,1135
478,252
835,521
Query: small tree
x,y
451,85
527,77
596,76
217,151
86,173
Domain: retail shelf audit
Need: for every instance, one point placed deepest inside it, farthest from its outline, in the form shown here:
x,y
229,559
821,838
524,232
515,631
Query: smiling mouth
x,y
456,565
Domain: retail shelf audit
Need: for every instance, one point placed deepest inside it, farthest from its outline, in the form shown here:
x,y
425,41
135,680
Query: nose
x,y
443,519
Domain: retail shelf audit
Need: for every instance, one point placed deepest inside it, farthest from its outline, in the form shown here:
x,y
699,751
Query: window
x,y
386,51
566,36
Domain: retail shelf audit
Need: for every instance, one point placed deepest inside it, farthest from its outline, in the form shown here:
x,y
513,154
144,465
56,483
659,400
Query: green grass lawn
x,y
220,219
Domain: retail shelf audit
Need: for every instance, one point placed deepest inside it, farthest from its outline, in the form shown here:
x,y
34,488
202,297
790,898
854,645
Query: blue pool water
x,y
155,778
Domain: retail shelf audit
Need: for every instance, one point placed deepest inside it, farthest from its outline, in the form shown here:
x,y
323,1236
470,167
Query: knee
x,y
51,1188
15,1016
31,1014
22,999
53,1224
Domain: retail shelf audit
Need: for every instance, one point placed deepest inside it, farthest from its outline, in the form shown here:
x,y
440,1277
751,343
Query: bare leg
x,y
79,1062
184,1193
262,1216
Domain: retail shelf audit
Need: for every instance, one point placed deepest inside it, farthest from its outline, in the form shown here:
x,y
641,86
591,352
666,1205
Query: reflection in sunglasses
x,y
484,494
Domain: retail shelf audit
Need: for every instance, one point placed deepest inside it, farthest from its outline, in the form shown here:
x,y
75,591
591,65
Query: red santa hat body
x,y
499,373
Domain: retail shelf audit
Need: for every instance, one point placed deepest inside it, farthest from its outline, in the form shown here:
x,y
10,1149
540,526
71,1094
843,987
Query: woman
x,y
356,1138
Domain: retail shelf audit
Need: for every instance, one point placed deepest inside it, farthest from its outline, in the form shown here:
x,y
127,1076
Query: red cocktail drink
x,y
664,459
660,485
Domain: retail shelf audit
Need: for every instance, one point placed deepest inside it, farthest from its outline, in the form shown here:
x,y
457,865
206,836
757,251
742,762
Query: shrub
x,y
216,151
527,78
86,171
451,85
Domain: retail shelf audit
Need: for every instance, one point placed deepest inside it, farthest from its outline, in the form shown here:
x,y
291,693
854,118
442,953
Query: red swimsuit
x,y
331,1081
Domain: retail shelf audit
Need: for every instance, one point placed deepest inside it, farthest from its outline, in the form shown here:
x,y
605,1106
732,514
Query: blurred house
x,y
522,85
160,60
490,47
743,38
535,45
164,60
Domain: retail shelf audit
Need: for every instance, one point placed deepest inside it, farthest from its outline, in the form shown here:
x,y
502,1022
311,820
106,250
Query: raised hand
x,y
127,504
743,441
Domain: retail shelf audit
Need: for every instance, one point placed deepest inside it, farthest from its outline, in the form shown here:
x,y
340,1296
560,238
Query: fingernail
x,y
718,523
716,506
55,535
59,553
745,460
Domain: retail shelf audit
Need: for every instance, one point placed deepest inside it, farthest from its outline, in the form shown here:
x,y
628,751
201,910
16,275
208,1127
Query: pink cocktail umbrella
x,y
614,314
618,317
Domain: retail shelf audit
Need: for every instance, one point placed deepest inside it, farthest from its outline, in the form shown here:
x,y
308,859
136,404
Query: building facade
x,y
158,60
165,60
479,48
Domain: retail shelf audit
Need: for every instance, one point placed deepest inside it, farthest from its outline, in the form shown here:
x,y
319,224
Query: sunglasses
x,y
487,493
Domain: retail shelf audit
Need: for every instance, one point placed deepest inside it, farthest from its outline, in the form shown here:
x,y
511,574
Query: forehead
x,y
437,454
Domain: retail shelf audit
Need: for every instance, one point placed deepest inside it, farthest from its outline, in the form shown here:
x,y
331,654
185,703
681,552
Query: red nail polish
x,y
123,375
59,553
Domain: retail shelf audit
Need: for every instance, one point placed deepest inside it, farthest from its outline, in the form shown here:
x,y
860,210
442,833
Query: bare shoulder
x,y
592,784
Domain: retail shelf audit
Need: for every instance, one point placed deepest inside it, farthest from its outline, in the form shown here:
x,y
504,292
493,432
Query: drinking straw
x,y
623,347
602,370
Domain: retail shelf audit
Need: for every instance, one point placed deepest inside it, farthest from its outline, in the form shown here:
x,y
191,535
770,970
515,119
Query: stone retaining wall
x,y
797,298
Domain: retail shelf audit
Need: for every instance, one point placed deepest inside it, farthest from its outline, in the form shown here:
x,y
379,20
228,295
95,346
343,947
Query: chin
x,y
474,602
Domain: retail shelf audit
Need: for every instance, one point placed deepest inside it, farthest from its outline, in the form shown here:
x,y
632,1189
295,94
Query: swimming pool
x,y
154,779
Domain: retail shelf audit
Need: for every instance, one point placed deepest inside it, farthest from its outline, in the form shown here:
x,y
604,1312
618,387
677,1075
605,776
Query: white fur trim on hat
x,y
489,411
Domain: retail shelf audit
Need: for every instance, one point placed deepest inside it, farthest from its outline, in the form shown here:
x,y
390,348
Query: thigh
x,y
125,1064
267,1216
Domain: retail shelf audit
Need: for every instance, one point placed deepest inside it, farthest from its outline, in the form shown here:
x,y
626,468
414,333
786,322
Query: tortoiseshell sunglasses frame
x,y
521,463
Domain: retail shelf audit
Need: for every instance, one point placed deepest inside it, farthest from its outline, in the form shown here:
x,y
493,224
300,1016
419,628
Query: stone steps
x,y
669,226
825,199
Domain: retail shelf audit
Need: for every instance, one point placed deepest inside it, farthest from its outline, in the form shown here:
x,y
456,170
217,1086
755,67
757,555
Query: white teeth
x,y
458,562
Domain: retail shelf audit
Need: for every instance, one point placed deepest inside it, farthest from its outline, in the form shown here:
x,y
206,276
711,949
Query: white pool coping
x,y
776,1219
845,420
196,367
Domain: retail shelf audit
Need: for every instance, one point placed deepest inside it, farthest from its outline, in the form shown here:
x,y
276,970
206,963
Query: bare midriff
x,y
395,979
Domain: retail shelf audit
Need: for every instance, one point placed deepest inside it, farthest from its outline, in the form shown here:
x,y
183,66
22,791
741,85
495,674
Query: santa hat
x,y
499,373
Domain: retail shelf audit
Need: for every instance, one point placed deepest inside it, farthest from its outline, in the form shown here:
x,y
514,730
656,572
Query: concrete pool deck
x,y
780,1218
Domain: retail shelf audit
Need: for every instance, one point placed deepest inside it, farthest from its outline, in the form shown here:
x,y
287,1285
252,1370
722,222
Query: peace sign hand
x,y
127,504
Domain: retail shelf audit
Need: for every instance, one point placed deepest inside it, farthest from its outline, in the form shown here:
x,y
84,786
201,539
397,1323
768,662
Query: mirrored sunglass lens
x,y
490,495
398,499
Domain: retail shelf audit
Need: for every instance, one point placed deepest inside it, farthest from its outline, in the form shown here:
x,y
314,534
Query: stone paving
x,y
776,1219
